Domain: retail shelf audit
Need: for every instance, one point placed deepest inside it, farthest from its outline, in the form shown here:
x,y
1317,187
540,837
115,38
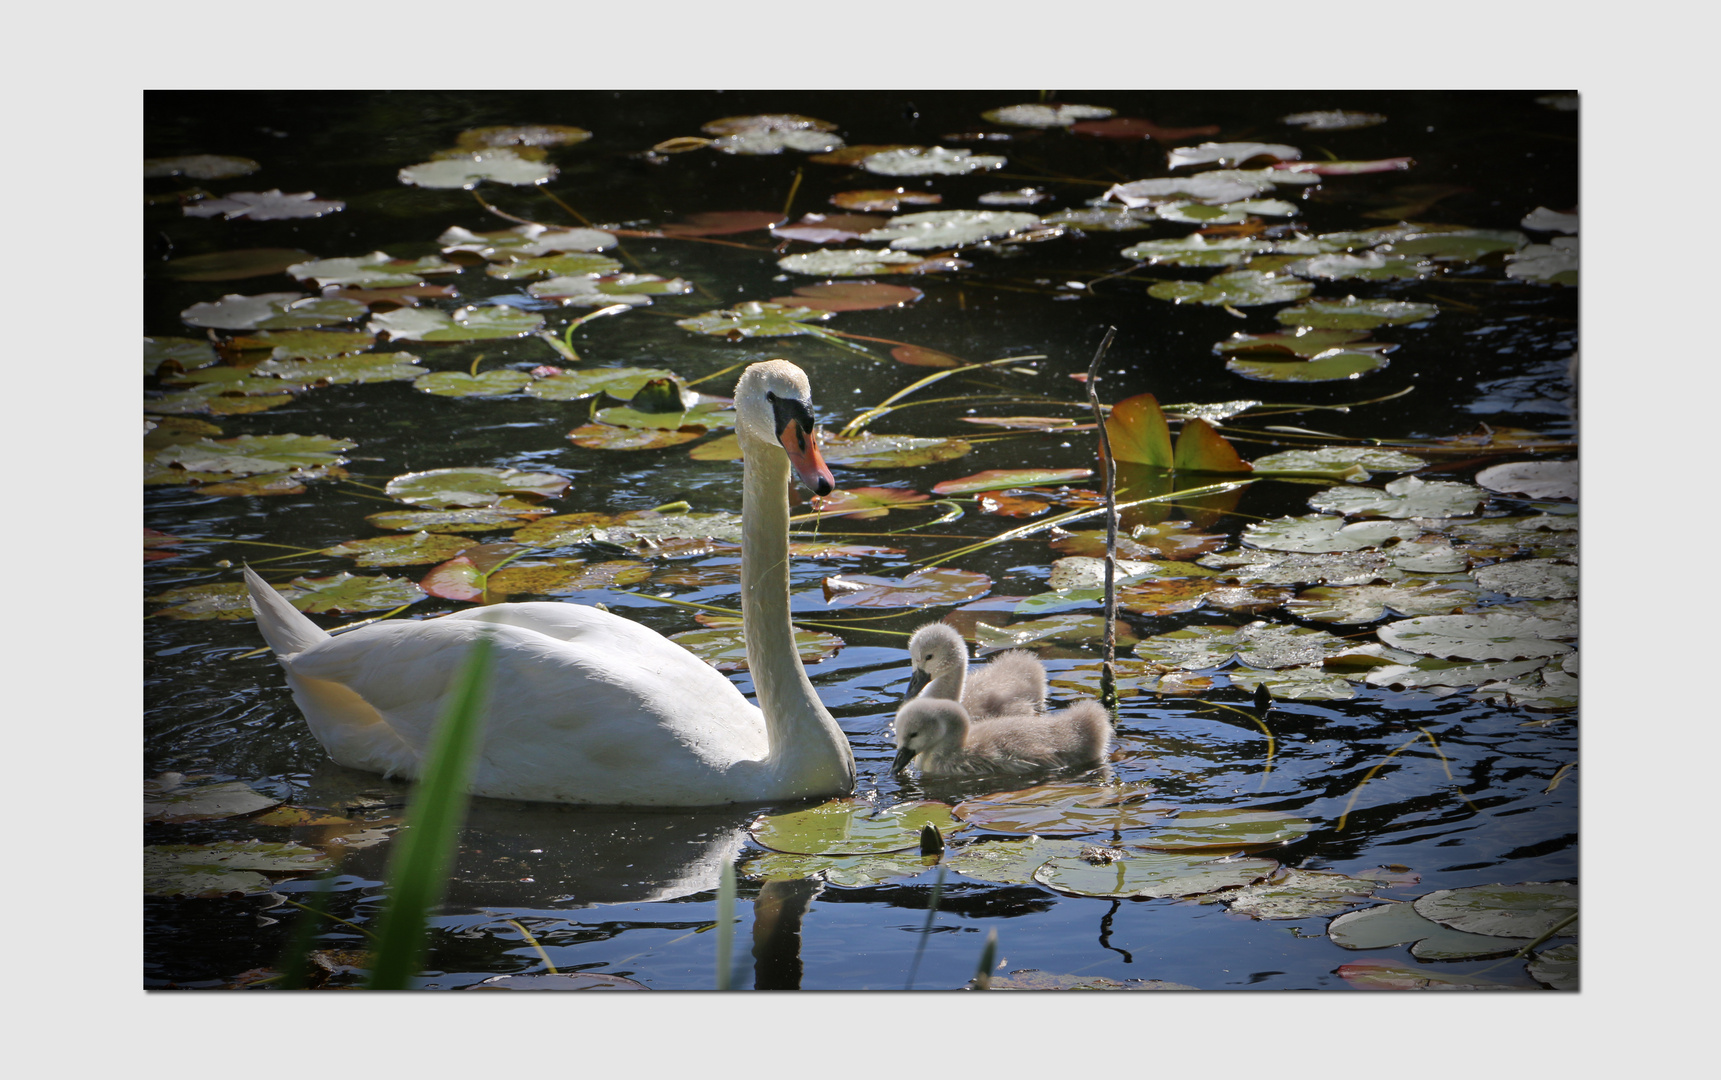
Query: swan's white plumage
x,y
939,734
1011,682
586,706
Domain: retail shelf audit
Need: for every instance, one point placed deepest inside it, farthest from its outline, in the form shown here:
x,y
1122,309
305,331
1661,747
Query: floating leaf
x,y
846,871
452,521
1369,266
736,125
376,270
1063,808
882,199
1353,314
559,265
521,135
1543,579
1046,116
1300,894
232,265
919,357
305,344
1332,120
1554,263
635,290
218,869
1151,875
1175,540
1406,497
444,489
1233,153
1541,219
1108,218
460,384
1428,672
1526,910
1304,342
470,323
1461,245
1485,636
1134,127
621,383
922,588
1369,603
470,169
870,451
271,311
611,437
995,479
199,167
559,577
1260,645
858,263
1133,677
937,229
205,802
724,645
1296,683
850,296
1035,979
1399,924
753,318
851,827
337,370
722,223
1195,250
269,205
1219,186
867,502
1324,458
525,241
1387,975
413,550
1533,479
929,161
186,354
1283,568
1324,533
1238,288
775,142
1556,967
248,454
1227,830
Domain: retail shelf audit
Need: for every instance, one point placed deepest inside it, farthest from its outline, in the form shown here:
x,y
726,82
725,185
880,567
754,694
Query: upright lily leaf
x,y
1201,449
1138,433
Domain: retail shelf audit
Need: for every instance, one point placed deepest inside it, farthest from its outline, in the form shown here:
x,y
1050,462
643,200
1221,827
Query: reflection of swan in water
x,y
589,707
1011,682
938,732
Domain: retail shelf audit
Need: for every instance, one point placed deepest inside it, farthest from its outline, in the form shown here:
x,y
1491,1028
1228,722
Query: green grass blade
x,y
424,852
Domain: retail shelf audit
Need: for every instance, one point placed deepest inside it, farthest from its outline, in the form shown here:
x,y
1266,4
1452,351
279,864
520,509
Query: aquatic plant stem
x,y
1108,666
880,409
926,931
532,941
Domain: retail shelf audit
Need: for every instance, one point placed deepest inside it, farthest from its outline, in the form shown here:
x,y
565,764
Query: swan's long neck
x,y
807,748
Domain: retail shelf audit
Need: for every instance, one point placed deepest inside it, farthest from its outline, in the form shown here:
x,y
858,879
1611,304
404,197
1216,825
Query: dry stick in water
x,y
1108,668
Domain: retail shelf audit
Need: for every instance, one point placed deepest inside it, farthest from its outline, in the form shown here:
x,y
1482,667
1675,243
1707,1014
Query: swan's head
x,y
934,650
928,725
774,404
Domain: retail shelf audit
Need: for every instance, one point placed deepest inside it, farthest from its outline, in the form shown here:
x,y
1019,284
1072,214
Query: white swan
x,y
586,706
1011,682
938,732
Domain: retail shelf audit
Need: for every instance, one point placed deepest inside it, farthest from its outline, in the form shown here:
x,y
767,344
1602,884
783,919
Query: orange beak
x,y
804,455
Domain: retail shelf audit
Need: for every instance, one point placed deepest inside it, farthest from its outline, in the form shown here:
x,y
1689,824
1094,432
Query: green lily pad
x,y
1194,250
1260,645
559,577
1064,629
622,383
996,479
754,318
1533,479
1311,683
1542,579
525,241
1292,568
633,289
378,270
306,344
612,437
1548,691
701,411
469,323
1063,808
1035,979
1304,342
931,230
867,502
205,802
1557,967
1476,637
444,489
469,170
344,592
1231,153
1315,533
1108,218
1008,862
852,827
1353,314
1388,975
1426,671
1554,263
271,205
562,265
1465,245
1227,830
1150,875
724,645
1399,924
232,265
416,549
1369,266
248,454
1370,603
645,530
1231,213
1133,677
199,167
336,370
452,521
1215,186
1332,120
847,871
272,311
1088,572
869,451
223,868
1406,497
1300,894
459,384
923,588
929,161
1374,458
1046,116
1236,288
187,354
1525,910
858,263
1335,365
521,135
755,143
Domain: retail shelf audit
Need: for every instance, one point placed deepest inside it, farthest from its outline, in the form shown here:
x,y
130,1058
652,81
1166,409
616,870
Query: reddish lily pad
x,y
850,296
920,357
828,228
559,577
1390,975
721,223
233,265
1134,127
867,502
922,588
885,199
996,479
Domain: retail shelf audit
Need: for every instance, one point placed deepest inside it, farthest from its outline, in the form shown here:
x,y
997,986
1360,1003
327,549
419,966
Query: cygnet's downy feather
x,y
940,734
1012,682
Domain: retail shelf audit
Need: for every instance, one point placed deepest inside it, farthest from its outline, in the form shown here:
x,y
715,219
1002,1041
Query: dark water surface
x,y
632,894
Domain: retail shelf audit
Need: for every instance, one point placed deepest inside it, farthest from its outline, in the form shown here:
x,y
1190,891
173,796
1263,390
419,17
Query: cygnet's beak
x,y
804,455
917,681
904,755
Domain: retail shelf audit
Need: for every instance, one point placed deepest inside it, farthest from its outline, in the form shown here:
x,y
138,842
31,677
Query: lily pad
x,y
1008,862
857,263
724,645
613,437
1259,644
995,479
870,451
922,588
846,871
525,241
1554,263
1332,120
232,265
883,199
1237,288
199,167
522,135
1304,342
1046,116
1300,894
1150,875
305,344
635,290
1399,924
1476,637
1218,186
1388,975
1539,579
1369,603
560,577
452,521
1463,245
470,323
1314,533
851,296
1231,153
1109,218
225,867
1294,684
1227,830
470,169
1231,213
867,502
621,383
272,311
852,827
460,384
269,205
1375,458
1369,266
557,265
775,142
248,454
185,354
1525,910
929,161
938,229
337,370
754,318
374,271
205,802
1427,671
415,549
721,223
1035,979
1062,808
444,489
1066,629
736,125
1556,967
1533,479
1353,314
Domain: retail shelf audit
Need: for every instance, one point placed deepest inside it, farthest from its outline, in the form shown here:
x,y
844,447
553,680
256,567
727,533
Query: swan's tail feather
x,y
284,626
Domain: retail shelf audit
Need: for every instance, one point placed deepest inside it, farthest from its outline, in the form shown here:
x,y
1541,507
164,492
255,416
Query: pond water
x,y
1448,787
